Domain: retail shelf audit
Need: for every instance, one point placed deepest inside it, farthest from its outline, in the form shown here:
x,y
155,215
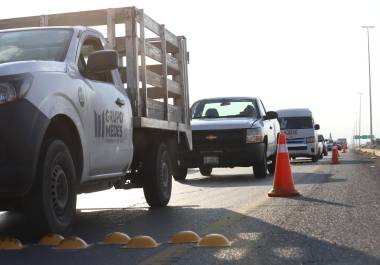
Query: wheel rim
x,y
59,191
164,171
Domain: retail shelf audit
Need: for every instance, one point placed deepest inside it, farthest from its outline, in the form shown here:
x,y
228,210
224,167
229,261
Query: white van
x,y
300,130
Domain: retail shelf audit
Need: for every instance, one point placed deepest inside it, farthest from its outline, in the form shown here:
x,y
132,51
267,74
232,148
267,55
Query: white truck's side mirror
x,y
102,61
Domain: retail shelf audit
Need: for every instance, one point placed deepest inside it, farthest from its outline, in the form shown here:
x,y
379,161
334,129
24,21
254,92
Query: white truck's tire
x,y
157,176
52,201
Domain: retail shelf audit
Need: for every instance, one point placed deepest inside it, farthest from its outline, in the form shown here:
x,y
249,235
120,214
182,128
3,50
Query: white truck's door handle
x,y
120,102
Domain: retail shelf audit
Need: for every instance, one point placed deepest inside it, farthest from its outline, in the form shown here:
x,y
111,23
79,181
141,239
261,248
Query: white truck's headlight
x,y
310,139
254,135
7,93
13,87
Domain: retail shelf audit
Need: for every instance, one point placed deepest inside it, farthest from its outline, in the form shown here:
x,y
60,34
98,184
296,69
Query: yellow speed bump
x,y
8,243
72,243
116,238
51,240
142,242
214,240
185,237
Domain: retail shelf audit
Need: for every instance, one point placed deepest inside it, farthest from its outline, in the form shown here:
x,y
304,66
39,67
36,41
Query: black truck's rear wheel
x,y
272,166
205,171
52,202
180,173
157,176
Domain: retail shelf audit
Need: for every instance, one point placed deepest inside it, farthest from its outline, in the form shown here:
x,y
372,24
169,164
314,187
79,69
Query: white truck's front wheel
x,y
53,198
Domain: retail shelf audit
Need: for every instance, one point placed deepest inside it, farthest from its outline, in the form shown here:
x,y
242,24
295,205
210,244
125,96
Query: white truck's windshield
x,y
39,44
295,123
223,108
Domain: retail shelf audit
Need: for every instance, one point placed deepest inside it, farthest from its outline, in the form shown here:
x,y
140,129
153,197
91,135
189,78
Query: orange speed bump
x,y
185,237
214,240
142,242
72,243
51,240
8,243
283,185
116,238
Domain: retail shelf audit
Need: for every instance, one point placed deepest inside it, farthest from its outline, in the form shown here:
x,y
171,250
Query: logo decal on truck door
x,y
109,124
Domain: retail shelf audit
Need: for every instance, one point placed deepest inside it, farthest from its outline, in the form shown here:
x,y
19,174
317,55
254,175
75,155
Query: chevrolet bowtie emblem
x,y
211,137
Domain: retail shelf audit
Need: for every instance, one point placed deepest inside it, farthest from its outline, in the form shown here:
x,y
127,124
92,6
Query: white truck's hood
x,y
30,67
222,123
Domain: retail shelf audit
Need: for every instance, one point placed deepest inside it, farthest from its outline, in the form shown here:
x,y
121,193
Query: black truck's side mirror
x,y
102,61
316,127
271,115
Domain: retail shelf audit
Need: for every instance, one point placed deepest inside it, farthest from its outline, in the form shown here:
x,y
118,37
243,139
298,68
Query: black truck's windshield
x,y
38,44
223,108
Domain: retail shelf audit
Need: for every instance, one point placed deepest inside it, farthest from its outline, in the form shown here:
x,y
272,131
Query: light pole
x,y
360,116
369,79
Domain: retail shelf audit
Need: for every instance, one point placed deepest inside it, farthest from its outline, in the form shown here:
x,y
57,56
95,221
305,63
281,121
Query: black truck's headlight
x,y
254,135
14,87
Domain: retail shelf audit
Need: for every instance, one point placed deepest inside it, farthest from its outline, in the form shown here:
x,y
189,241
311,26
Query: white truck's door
x,y
108,114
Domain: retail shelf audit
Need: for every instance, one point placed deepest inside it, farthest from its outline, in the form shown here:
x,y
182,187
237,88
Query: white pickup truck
x,y
70,123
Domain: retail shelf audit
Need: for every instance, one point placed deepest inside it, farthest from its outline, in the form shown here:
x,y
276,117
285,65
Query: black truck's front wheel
x,y
260,167
157,176
52,202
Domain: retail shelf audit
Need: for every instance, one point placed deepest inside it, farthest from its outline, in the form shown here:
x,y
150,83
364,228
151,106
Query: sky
x,y
295,53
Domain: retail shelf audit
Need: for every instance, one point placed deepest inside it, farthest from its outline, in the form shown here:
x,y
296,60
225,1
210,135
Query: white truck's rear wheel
x,y
157,176
52,202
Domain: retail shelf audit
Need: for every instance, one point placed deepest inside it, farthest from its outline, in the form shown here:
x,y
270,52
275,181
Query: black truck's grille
x,y
218,139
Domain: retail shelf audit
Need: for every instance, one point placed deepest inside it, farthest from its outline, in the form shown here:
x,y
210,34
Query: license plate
x,y
211,160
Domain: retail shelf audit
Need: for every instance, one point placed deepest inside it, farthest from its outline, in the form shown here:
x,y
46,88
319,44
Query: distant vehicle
x,y
342,141
233,131
322,141
329,144
300,130
339,145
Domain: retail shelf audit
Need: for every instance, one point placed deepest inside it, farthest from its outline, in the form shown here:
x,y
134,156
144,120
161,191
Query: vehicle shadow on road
x,y
237,180
254,241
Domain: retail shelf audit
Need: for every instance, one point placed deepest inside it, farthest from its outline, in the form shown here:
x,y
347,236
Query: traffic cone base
x,y
283,185
283,193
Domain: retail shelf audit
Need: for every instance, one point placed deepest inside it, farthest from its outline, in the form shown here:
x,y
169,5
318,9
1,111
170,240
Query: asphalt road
x,y
335,221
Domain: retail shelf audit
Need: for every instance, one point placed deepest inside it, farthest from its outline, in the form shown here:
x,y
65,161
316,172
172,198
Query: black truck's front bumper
x,y
22,127
244,156
222,148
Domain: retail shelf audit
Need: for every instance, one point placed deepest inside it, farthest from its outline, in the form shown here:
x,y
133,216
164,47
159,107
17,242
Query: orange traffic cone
x,y
283,185
335,155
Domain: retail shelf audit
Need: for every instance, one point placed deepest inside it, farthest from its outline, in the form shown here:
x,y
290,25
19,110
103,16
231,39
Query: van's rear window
x,y
296,122
38,44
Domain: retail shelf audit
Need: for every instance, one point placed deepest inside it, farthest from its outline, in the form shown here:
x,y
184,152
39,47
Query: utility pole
x,y
360,116
369,79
